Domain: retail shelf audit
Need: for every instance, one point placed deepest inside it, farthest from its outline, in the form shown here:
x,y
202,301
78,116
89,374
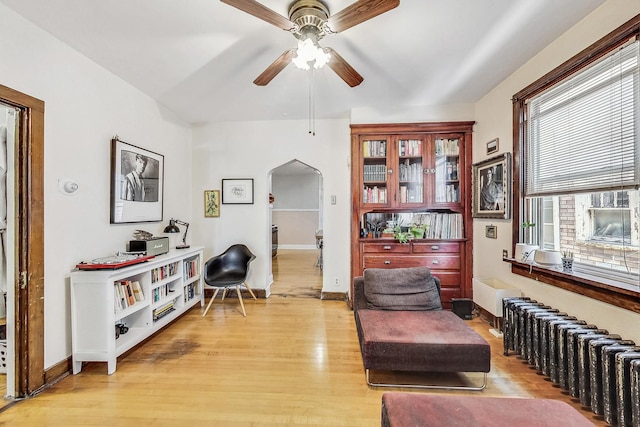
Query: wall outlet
x,y
505,254
336,281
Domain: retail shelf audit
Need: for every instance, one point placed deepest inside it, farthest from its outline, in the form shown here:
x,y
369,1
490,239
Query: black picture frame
x,y
135,196
237,191
492,188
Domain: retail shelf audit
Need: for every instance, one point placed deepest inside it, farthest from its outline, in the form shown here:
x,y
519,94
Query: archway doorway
x,y
296,218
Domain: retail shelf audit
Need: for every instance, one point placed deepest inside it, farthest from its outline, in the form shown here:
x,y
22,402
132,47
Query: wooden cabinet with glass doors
x,y
412,176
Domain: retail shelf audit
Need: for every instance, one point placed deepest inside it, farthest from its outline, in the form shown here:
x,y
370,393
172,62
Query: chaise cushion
x,y
421,341
400,409
411,289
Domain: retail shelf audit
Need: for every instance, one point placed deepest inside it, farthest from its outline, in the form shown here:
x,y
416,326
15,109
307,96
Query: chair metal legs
x,y
224,293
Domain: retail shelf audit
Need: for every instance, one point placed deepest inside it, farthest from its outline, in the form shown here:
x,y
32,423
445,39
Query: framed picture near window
x,y
491,232
492,187
212,203
237,191
492,146
137,183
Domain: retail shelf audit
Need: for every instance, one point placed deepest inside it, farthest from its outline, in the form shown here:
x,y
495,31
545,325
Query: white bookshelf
x,y
171,280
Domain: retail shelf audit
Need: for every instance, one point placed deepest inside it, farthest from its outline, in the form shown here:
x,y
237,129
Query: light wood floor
x,y
293,361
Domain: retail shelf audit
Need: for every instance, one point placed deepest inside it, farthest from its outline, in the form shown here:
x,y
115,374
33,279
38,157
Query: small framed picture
x,y
491,232
237,191
492,146
212,203
492,187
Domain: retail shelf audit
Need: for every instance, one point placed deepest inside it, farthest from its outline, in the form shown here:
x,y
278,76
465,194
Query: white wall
x,y
494,120
252,150
85,106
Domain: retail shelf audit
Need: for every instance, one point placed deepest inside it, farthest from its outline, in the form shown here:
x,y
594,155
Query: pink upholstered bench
x,y
410,410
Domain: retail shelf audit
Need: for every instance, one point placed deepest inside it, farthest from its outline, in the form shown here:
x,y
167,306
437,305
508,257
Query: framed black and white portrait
x,y
237,191
137,183
492,187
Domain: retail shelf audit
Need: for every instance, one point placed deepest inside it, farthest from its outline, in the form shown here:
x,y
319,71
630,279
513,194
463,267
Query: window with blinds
x,y
583,132
581,167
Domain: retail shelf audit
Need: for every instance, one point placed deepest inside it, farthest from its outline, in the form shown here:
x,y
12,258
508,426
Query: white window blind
x,y
583,133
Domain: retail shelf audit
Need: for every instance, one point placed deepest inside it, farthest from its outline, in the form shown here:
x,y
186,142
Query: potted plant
x,y
417,230
567,261
402,236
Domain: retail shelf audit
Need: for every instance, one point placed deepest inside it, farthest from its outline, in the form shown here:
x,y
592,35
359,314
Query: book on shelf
x,y
374,194
443,225
131,299
163,272
447,147
374,148
410,147
117,301
123,294
163,310
191,268
137,290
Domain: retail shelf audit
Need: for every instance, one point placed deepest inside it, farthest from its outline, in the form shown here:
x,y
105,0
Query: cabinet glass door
x,y
374,171
447,170
410,171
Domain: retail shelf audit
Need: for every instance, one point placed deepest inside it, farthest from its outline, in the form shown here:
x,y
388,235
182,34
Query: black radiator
x,y
599,368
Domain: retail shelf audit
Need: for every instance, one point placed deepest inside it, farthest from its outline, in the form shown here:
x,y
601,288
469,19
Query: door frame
x,y
29,243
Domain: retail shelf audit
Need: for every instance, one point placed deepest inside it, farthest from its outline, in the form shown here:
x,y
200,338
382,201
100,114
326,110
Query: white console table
x,y
170,285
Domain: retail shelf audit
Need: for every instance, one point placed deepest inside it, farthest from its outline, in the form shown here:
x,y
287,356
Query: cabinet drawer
x,y
392,261
424,248
448,279
441,262
390,247
435,262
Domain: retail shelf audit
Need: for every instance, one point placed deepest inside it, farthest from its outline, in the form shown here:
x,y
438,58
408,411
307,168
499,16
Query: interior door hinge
x,y
22,282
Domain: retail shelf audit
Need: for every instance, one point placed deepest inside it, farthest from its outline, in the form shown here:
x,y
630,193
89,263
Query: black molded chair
x,y
229,270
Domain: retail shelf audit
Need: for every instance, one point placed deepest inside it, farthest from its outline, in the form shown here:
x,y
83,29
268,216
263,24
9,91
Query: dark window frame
x,y
598,290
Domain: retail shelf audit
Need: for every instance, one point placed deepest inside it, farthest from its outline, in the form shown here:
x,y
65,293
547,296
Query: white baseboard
x,y
297,247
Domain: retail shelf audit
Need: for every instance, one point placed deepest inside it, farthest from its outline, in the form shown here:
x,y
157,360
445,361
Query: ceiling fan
x,y
309,21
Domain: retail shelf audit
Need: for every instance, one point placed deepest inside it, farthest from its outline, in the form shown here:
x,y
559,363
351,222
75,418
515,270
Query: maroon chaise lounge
x,y
401,327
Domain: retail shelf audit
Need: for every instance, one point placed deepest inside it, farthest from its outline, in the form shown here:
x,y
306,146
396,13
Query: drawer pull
x,y
435,247
386,247
387,262
435,261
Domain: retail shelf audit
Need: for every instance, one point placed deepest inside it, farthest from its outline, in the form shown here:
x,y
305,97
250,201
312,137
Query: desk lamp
x,y
173,228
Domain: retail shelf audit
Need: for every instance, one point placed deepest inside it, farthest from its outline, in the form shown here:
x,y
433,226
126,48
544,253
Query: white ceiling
x,y
200,57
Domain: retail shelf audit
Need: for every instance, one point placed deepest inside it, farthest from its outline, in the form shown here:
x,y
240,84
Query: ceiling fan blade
x,y
262,12
343,69
359,12
273,69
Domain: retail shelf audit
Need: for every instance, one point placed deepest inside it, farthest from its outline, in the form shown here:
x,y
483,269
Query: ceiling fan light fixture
x,y
309,53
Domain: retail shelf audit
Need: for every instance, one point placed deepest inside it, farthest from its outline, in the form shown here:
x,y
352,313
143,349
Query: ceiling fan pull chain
x,y
312,104
310,85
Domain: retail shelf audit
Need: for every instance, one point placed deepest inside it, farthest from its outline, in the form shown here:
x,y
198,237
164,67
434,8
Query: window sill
x,y
580,284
